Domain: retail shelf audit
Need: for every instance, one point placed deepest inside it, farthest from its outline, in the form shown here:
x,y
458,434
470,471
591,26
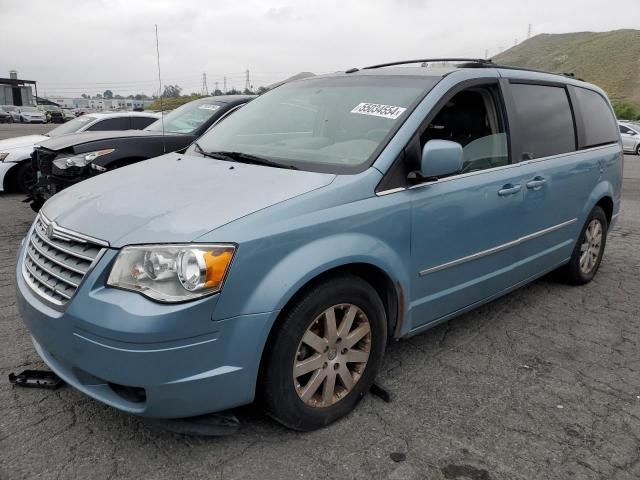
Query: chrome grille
x,y
56,260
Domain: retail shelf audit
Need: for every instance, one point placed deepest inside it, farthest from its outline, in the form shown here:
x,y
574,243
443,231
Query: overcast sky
x,y
70,47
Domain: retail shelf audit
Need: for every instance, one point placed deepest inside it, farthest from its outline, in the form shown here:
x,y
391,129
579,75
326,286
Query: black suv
x,y
64,161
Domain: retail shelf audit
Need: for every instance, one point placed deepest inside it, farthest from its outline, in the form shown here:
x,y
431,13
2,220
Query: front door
x,y
464,226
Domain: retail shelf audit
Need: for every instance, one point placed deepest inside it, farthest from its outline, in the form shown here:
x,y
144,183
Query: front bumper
x,y
145,358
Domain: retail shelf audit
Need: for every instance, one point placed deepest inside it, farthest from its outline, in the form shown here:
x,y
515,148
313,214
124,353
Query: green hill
x,y
611,60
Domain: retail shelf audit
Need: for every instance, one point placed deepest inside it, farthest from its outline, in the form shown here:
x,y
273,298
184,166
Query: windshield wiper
x,y
201,151
241,157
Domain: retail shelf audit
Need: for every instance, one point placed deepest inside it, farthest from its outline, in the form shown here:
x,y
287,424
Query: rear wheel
x,y
326,354
638,149
588,252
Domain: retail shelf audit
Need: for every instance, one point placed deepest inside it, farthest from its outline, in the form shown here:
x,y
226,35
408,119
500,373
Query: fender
x,y
604,188
15,158
286,277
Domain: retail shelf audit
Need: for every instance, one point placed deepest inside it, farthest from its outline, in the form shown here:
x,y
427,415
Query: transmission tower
x,y
216,88
247,81
224,83
205,87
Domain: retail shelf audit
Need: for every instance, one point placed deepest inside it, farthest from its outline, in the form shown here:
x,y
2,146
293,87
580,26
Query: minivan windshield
x,y
71,126
187,118
328,124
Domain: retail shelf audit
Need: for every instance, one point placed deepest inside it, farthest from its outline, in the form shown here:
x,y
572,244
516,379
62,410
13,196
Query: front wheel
x,y
326,354
589,249
25,177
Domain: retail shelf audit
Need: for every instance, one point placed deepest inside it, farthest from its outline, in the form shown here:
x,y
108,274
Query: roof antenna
x,y
164,145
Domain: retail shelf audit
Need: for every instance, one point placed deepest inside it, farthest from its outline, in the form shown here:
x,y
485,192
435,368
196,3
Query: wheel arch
x,y
9,179
391,293
602,196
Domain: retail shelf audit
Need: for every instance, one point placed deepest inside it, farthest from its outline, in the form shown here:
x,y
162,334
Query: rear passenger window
x,y
545,120
120,123
599,124
138,123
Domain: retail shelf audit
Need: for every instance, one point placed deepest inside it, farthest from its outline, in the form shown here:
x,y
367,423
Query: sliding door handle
x,y
509,189
536,183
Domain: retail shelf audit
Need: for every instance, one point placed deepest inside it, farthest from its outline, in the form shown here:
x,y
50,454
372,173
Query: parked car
x,y
5,117
31,115
68,114
67,160
16,172
630,133
53,113
13,111
285,247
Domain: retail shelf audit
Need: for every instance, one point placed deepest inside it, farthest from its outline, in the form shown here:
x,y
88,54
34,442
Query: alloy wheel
x,y
332,355
591,245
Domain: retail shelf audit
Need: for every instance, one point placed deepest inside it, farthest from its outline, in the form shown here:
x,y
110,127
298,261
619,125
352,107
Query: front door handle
x,y
509,189
536,183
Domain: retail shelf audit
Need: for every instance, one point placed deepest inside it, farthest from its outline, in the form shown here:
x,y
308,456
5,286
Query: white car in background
x,y
16,173
630,133
28,114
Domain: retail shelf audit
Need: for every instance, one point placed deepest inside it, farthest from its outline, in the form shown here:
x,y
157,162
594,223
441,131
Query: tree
x,y
108,94
84,95
625,111
171,91
217,91
262,90
118,97
233,91
98,96
247,92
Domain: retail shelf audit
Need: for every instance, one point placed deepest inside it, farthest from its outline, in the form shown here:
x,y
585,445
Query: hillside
x,y
611,60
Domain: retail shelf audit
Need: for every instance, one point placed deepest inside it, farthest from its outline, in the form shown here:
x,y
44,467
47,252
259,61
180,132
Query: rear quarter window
x,y
599,123
138,123
545,120
117,123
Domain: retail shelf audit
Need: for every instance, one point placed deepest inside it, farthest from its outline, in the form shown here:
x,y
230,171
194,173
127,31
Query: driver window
x,y
472,119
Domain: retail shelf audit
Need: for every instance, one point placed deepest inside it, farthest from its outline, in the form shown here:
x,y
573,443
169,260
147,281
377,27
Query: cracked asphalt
x,y
541,384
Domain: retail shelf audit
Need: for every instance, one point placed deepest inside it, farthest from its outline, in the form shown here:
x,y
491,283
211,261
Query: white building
x,y
100,103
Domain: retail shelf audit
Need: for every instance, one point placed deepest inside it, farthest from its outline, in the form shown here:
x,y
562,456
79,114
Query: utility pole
x,y
529,32
486,54
216,88
205,87
224,89
247,82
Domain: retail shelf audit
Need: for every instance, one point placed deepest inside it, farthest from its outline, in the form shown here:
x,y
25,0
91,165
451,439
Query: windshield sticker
x,y
209,107
377,110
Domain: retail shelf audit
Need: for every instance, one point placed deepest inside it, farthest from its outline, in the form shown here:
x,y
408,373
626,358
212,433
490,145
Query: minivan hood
x,y
17,142
174,198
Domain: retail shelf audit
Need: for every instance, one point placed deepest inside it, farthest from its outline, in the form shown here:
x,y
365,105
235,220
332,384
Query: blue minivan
x,y
277,255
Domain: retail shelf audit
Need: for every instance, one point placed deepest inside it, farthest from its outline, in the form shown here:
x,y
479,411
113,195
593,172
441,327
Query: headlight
x,y
3,156
81,160
172,273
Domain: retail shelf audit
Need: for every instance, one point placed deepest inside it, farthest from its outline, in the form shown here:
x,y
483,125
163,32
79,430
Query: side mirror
x,y
441,158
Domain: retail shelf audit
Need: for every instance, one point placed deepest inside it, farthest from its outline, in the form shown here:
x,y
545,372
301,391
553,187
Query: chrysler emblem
x,y
50,229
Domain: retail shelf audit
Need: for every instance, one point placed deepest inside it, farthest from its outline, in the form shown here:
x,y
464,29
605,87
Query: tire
x,y
282,395
638,150
573,272
25,177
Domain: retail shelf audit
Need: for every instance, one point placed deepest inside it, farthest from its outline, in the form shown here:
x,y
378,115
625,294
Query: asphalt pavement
x,y
541,384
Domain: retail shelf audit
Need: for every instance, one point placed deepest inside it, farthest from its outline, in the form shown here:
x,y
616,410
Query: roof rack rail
x,y
468,63
482,61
